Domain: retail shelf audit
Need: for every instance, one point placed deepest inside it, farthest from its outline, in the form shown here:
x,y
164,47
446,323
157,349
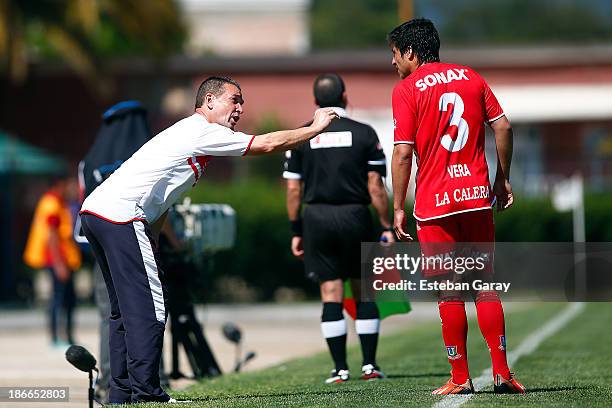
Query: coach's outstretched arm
x,y
288,139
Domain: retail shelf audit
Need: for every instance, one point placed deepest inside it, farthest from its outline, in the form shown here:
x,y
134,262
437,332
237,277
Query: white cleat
x,y
338,376
371,372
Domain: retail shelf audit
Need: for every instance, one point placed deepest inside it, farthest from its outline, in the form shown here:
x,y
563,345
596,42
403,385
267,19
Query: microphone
x,y
249,356
232,332
79,357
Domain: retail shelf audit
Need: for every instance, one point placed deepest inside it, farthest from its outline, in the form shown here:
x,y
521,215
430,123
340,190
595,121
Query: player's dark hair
x,y
213,85
328,90
418,34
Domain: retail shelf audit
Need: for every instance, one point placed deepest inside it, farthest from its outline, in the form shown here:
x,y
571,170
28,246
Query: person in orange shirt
x,y
51,245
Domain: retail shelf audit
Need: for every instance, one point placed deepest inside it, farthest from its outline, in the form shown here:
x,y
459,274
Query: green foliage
x,y
269,122
262,255
121,29
365,23
84,33
538,221
352,23
267,166
529,221
598,217
524,21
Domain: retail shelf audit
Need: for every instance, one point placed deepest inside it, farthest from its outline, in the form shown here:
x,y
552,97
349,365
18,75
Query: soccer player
x,y
340,172
121,219
439,111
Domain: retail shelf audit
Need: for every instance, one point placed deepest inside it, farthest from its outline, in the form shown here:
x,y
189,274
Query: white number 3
x,y
455,120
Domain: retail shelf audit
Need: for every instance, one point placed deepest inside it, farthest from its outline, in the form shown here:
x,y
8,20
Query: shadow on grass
x,y
271,395
542,389
423,375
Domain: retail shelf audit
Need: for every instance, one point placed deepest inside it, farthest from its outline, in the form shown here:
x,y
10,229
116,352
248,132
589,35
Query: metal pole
x,y
578,213
579,241
91,390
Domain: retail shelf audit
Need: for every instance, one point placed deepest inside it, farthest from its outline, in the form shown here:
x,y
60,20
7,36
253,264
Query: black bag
x,y
124,130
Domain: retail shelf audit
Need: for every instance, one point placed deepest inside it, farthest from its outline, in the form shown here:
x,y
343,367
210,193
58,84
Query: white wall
x,y
247,27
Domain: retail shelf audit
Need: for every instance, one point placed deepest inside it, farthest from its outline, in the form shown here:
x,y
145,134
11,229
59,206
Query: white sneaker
x,y
371,372
175,401
339,376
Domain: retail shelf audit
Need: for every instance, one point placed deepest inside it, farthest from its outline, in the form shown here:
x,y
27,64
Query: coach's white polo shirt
x,y
169,164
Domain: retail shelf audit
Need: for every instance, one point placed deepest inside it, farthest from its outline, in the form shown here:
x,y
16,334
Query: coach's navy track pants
x,y
126,254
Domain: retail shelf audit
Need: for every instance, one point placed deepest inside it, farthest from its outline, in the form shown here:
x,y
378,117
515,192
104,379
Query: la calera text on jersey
x,y
461,194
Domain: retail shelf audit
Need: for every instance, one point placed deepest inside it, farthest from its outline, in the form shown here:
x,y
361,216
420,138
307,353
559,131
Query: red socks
x,y
454,333
491,321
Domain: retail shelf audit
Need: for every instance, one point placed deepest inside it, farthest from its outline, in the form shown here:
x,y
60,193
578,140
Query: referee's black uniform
x,y
334,169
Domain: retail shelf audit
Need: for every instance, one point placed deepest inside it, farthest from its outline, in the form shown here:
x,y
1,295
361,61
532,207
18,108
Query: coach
x,y
341,173
122,216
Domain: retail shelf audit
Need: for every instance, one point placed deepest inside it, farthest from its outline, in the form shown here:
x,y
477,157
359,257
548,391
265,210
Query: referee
x,y
337,175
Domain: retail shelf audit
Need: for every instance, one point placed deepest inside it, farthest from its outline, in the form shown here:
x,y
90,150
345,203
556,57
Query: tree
x,y
365,23
524,21
85,32
352,23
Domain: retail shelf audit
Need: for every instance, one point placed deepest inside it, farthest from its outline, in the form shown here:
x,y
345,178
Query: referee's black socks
x,y
333,326
367,326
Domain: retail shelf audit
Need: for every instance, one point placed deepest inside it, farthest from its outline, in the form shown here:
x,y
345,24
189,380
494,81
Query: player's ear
x,y
209,100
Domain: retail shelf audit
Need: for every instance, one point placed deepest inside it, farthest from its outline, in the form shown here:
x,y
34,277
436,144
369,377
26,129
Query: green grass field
x,y
571,368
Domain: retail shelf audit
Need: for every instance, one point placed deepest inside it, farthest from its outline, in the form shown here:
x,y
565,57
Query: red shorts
x,y
449,235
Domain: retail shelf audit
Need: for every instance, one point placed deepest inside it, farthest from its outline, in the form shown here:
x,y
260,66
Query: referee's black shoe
x,y
338,376
371,372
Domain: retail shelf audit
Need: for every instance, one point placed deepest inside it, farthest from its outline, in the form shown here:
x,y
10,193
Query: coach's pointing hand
x,y
322,118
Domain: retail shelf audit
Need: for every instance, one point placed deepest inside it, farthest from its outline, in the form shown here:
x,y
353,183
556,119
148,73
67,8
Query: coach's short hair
x,y
328,90
213,85
418,34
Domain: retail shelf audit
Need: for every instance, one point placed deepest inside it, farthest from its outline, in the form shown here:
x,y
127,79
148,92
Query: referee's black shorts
x,y
332,240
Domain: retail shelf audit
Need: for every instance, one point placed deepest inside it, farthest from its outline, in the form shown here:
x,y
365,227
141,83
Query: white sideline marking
x,y
527,346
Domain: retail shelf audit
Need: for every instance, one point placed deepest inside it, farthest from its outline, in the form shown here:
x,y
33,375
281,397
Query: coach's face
x,y
226,108
402,63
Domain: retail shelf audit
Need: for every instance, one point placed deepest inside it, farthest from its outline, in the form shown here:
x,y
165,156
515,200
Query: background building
x,y
555,86
247,27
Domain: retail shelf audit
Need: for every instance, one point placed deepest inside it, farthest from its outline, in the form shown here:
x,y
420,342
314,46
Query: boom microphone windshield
x,y
79,357
232,332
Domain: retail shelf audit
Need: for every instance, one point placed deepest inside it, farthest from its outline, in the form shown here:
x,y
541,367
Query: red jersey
x,y
441,109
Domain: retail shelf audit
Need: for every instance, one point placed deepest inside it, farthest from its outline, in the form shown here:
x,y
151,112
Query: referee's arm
x,y
376,188
380,201
294,200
